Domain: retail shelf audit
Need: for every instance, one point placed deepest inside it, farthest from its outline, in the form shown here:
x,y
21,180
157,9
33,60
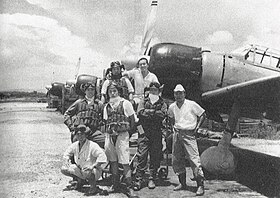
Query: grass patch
x,y
269,132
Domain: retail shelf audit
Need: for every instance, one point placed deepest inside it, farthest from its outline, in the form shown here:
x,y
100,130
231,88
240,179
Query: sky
x,y
42,40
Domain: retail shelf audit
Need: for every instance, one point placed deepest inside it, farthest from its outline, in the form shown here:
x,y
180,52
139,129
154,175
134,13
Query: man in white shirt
x,y
88,157
142,78
186,116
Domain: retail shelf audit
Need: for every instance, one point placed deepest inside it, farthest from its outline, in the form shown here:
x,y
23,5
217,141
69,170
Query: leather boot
x,y
151,184
200,187
182,180
116,186
138,184
79,185
130,192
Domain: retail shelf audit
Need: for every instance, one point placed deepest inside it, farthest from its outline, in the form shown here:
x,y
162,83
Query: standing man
x,y
151,112
186,116
119,118
88,157
142,78
124,83
87,111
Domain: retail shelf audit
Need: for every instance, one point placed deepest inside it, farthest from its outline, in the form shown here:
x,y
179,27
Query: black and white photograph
x,y
139,98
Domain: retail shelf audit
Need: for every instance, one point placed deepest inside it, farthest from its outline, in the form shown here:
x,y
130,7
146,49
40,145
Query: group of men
x,y
101,129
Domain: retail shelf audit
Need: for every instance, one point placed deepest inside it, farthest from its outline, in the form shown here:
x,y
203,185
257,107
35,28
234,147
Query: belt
x,y
183,131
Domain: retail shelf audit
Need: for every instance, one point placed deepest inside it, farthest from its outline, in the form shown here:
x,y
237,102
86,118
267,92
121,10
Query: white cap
x,y
179,87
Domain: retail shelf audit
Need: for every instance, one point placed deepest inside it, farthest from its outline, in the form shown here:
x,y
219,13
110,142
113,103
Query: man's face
x,y
81,137
179,96
90,92
113,92
116,70
154,90
143,65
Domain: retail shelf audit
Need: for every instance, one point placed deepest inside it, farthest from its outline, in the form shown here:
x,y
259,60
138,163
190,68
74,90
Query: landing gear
x,y
219,159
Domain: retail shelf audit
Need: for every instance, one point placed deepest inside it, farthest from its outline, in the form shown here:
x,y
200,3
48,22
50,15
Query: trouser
x,y
185,146
117,150
149,145
74,170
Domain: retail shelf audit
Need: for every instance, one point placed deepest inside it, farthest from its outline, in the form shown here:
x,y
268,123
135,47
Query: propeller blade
x,y
77,68
149,28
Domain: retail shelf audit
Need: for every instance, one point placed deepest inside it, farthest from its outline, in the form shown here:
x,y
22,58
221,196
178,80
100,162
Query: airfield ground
x,y
33,139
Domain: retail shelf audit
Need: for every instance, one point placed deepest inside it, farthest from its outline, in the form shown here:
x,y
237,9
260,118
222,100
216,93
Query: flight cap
x,y
179,87
115,64
80,129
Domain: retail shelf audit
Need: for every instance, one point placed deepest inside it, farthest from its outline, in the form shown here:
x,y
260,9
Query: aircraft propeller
x,y
130,61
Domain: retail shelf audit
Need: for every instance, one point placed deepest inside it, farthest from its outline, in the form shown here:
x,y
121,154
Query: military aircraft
x,y
64,91
54,95
63,94
245,82
248,77
222,83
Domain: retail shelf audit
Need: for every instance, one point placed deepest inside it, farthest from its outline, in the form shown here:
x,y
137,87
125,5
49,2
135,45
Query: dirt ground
x,y
32,141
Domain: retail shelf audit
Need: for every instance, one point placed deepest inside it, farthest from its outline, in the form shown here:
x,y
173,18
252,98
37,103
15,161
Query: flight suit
x,y
89,114
118,121
123,83
150,142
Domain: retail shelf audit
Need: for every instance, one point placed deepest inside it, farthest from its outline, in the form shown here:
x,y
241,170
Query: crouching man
x,y
88,157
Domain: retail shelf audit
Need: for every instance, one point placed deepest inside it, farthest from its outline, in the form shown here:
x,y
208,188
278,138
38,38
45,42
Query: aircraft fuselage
x,y
201,72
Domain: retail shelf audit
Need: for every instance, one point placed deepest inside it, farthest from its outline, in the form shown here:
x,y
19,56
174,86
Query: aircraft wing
x,y
262,87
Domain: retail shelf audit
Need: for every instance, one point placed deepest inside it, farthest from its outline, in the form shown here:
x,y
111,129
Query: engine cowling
x,y
56,89
85,78
177,64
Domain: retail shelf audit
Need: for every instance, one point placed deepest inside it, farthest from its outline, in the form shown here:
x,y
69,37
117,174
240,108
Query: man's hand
x,y
101,103
72,128
132,101
150,111
67,163
98,165
88,168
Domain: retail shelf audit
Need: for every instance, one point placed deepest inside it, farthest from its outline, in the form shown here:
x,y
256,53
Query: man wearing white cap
x,y
186,117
